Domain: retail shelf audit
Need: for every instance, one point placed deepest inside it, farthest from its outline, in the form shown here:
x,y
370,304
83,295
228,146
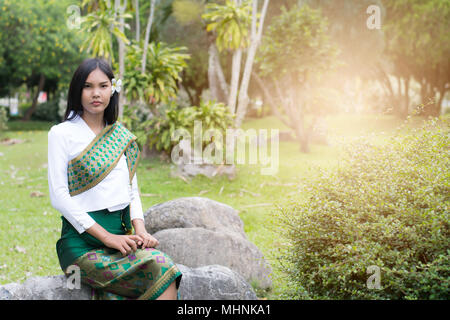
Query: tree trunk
x,y
442,91
138,22
235,75
297,112
255,39
30,111
212,73
406,98
121,9
269,99
147,36
428,99
220,76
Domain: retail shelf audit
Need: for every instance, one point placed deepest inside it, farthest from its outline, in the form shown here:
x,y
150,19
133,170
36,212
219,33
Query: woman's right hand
x,y
126,244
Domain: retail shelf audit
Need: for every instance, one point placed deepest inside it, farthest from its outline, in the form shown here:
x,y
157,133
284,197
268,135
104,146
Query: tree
x,y
306,53
99,27
418,45
158,82
184,27
231,21
37,47
361,47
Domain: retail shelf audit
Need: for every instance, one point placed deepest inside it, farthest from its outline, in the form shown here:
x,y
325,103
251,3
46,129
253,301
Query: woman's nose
x,y
96,92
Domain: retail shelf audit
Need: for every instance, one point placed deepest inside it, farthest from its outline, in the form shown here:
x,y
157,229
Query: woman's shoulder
x,y
61,129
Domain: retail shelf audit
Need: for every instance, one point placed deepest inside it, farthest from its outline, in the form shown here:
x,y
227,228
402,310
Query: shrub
x,y
3,120
213,116
47,111
386,206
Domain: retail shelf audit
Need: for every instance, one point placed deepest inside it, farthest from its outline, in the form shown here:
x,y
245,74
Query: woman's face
x,y
96,92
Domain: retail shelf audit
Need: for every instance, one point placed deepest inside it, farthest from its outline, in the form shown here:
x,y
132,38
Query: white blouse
x,y
65,142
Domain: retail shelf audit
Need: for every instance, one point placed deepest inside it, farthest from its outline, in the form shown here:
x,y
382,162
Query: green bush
x,y
213,116
386,206
47,111
3,120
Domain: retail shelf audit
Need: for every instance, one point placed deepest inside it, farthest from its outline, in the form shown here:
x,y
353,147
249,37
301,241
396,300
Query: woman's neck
x,y
94,121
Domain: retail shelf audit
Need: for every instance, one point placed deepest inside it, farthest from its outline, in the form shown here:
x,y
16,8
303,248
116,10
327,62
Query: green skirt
x,y
144,274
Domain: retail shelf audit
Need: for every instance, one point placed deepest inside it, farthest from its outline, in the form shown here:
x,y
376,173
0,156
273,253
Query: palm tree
x,y
231,22
100,25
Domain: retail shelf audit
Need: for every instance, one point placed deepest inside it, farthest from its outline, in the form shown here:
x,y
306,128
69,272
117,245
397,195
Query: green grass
x,y
31,226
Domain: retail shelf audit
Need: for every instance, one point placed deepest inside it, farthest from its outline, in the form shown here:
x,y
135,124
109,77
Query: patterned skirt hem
x,y
161,285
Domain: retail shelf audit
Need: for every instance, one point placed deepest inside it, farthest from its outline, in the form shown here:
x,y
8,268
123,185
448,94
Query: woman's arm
x,y
58,159
124,243
137,217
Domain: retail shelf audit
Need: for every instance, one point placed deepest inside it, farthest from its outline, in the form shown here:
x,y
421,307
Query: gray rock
x,y
214,282
205,283
195,247
44,288
190,212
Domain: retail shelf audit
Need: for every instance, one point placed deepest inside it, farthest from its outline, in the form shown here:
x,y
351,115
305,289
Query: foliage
x,y
99,27
35,40
187,12
163,68
307,52
3,120
47,111
231,23
361,47
305,45
418,44
185,28
213,116
386,206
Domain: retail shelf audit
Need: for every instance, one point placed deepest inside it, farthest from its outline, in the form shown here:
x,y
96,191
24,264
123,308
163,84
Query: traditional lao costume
x,y
92,179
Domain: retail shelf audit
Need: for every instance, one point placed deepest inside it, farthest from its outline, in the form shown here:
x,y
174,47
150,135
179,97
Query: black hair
x,y
76,87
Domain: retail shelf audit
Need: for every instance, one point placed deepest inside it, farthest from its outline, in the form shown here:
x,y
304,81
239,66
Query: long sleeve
x,y
58,159
136,205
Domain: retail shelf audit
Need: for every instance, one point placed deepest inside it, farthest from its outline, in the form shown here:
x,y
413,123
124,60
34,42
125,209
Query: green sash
x,y
94,163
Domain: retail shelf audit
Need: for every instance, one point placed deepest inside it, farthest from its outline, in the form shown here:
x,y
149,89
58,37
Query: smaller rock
x,y
197,284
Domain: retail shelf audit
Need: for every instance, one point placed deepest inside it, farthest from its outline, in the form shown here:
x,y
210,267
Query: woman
x,y
92,162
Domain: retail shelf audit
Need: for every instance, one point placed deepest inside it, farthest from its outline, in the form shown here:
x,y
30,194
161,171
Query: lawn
x,y
31,226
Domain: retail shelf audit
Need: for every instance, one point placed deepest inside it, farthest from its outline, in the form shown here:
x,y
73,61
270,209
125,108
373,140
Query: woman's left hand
x,y
148,240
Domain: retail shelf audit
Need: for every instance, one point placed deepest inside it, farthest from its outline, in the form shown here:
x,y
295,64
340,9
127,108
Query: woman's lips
x,y
96,103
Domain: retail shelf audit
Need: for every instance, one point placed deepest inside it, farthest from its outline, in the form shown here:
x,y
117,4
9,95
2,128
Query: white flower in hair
x,y
116,85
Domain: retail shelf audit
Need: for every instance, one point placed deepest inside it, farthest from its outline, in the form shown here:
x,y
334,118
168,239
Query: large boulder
x,y
212,282
195,247
191,212
197,231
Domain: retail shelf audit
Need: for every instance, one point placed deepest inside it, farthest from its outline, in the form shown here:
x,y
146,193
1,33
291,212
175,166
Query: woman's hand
x,y
148,240
124,243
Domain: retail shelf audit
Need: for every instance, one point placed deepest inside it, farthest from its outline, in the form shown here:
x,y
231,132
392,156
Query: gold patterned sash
x,y
94,163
